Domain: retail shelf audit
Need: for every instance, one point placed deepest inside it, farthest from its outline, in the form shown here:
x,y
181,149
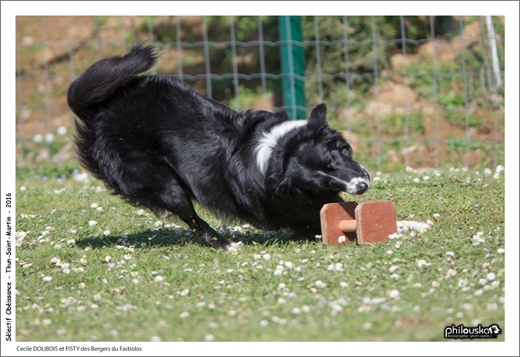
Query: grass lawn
x,y
89,267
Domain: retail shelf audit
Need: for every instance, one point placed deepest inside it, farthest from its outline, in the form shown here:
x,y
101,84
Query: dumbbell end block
x,y
330,216
375,221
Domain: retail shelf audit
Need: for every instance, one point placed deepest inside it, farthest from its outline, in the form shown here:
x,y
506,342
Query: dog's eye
x,y
330,165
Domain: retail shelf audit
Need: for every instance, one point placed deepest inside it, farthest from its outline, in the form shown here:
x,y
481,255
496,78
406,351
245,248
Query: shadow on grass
x,y
165,237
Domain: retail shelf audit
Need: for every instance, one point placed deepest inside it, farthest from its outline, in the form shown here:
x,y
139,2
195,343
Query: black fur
x,y
158,143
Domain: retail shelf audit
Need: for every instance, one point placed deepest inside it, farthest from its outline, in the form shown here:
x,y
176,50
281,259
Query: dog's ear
x,y
283,115
318,118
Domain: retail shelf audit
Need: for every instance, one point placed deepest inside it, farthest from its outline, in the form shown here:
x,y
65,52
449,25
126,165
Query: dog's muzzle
x,y
357,186
361,187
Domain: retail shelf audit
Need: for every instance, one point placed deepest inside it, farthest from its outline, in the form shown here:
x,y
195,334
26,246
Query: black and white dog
x,y
158,143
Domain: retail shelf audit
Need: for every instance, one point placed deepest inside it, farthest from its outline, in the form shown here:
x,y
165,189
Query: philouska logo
x,y
479,331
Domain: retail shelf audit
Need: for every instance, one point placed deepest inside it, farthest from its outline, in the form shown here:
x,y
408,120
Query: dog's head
x,y
312,156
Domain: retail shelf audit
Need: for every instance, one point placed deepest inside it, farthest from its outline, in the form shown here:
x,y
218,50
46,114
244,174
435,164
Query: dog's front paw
x,y
233,247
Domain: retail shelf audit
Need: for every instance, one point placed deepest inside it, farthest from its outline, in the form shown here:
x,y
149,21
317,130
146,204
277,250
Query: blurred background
x,y
405,91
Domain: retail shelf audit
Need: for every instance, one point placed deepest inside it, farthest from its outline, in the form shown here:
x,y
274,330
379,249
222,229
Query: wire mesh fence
x,y
404,91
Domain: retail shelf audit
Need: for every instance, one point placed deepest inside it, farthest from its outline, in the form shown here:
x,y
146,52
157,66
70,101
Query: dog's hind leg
x,y
179,204
204,231
159,189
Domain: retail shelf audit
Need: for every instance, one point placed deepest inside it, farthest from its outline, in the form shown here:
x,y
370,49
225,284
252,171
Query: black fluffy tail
x,y
101,79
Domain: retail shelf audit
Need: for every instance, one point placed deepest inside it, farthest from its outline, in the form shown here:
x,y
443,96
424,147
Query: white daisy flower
x,y
491,276
451,272
320,284
462,282
492,306
421,263
393,294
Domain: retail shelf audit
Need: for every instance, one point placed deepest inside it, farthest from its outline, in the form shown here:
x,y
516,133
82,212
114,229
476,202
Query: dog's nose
x,y
362,187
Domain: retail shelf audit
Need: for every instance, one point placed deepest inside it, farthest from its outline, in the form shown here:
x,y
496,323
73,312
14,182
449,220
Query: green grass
x,y
231,296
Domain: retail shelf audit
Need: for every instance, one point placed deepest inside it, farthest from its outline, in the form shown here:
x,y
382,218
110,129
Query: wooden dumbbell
x,y
365,223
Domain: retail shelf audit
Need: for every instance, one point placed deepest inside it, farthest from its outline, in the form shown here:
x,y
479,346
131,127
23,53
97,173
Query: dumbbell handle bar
x,y
347,225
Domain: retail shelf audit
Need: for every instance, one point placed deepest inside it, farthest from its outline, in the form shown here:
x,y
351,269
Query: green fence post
x,y
293,63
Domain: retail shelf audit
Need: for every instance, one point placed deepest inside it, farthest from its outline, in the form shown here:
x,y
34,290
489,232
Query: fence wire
x,y
316,75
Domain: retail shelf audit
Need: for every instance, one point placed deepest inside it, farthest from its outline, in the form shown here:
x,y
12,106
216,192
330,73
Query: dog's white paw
x,y
405,226
233,247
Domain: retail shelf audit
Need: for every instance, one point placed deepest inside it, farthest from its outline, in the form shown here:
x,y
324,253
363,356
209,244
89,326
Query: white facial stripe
x,y
270,139
350,187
